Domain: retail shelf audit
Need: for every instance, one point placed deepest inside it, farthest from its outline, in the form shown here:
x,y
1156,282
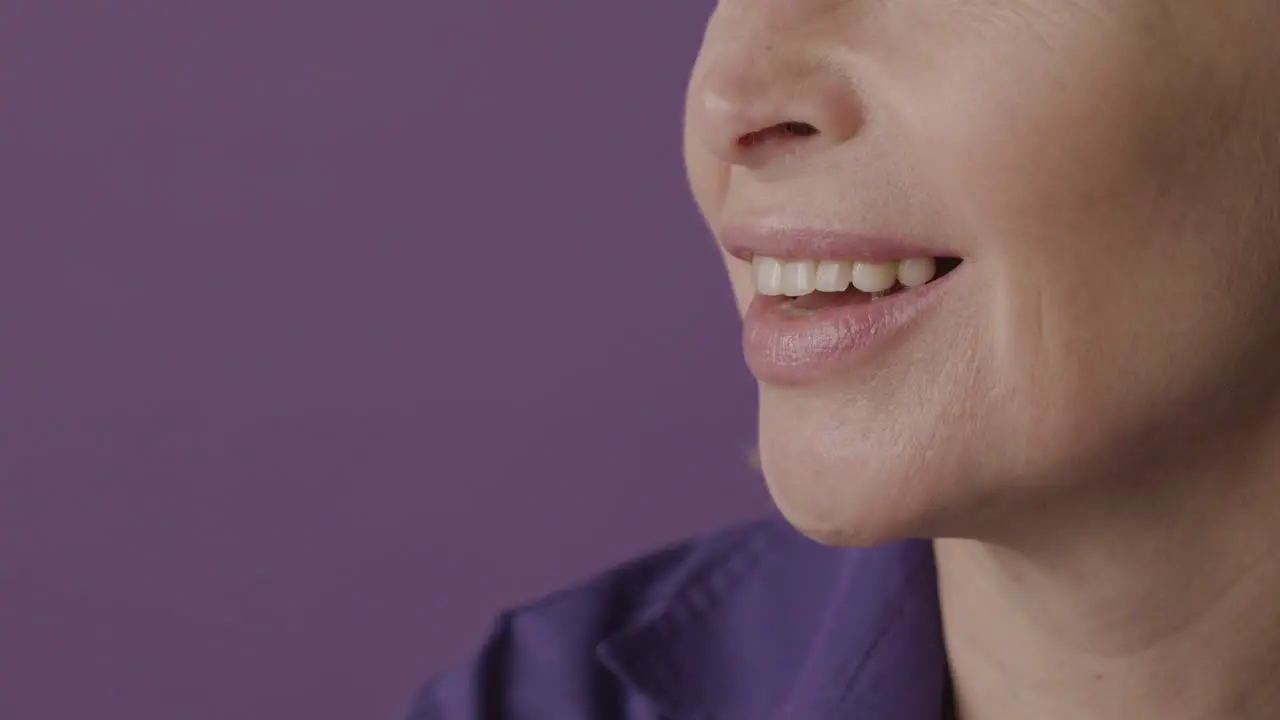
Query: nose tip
x,y
749,111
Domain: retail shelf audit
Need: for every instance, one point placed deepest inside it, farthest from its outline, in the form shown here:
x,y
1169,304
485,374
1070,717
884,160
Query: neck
x,y
1158,600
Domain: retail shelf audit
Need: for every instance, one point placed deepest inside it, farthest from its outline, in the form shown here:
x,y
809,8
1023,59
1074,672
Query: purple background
x,y
329,329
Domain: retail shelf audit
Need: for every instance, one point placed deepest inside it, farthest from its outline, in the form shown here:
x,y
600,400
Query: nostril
x,y
781,131
798,129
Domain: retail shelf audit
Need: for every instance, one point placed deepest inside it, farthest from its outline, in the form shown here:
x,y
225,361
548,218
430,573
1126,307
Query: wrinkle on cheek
x,y
1024,340
1035,316
958,396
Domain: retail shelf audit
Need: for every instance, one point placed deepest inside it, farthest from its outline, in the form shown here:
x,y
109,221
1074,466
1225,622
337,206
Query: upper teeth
x,y
802,277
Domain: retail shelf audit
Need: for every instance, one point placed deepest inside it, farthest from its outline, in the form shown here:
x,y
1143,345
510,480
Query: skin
x,y
1089,424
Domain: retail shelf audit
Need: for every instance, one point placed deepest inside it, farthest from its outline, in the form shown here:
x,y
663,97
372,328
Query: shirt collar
x,y
783,627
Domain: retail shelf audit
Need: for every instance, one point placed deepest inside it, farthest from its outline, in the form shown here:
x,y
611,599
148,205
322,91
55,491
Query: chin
x,y
849,502
844,471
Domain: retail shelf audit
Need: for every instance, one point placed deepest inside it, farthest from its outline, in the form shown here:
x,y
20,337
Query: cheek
x,y
1026,148
1111,237
1048,165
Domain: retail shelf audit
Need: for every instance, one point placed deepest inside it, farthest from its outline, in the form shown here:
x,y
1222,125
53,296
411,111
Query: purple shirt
x,y
753,623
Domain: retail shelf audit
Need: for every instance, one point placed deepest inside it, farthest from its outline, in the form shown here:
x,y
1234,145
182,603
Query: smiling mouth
x,y
803,287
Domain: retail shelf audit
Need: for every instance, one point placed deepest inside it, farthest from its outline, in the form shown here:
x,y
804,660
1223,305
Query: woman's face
x,y
1108,170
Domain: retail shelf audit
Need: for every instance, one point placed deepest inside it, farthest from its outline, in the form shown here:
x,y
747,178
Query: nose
x,y
763,92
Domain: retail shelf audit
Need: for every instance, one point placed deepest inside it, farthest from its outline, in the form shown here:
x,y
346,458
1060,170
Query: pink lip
x,y
745,242
784,348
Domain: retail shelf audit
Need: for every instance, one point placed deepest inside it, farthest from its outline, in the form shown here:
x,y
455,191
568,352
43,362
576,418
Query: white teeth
x,y
874,277
768,274
915,272
798,277
834,276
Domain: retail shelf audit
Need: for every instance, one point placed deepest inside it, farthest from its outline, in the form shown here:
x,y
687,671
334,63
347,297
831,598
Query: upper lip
x,y
809,243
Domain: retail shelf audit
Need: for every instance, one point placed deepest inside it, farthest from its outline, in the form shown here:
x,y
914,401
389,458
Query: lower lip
x,y
787,349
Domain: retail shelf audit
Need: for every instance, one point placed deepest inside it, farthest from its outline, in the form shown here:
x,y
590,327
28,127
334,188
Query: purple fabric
x,y
753,623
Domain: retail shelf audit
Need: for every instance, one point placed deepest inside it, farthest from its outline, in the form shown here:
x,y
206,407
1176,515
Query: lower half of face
x,y
1107,176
